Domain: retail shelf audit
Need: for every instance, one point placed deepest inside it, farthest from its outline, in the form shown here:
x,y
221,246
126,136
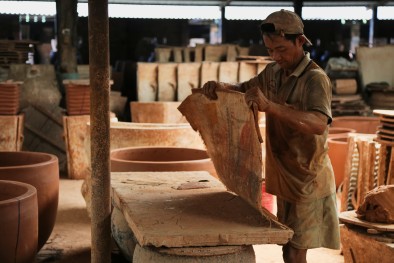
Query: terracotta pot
x,y
359,123
160,159
337,151
339,131
77,99
42,171
9,99
18,222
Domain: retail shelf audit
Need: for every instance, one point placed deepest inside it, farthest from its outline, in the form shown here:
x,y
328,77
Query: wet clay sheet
x,y
227,127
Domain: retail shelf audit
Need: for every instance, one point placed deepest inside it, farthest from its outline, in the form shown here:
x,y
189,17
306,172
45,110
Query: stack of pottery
x,y
77,99
41,170
9,99
18,222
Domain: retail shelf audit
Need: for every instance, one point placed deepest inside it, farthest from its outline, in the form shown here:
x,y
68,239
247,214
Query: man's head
x,y
283,36
284,23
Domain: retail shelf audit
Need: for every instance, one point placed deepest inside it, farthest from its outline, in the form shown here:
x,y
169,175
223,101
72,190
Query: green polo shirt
x,y
298,168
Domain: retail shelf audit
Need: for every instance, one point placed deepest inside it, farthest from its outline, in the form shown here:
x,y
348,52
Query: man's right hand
x,y
209,89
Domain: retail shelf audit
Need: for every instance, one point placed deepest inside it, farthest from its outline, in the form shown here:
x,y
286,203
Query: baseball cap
x,y
284,22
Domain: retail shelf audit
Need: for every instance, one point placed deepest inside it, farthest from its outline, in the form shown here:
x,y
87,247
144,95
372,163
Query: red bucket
x,y
267,200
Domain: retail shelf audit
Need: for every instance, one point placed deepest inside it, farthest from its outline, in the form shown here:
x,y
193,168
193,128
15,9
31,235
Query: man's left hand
x,y
255,96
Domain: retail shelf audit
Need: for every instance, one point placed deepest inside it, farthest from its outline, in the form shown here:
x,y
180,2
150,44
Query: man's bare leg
x,y
293,255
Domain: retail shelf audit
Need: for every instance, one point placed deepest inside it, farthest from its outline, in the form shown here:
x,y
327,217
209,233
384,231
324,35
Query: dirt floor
x,y
70,238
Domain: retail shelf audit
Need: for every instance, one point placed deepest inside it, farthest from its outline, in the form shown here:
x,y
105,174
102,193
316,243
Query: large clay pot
x,y
160,159
359,123
18,222
337,151
42,171
339,131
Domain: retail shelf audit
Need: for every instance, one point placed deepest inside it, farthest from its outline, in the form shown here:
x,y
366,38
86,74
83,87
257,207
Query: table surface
x,y
186,209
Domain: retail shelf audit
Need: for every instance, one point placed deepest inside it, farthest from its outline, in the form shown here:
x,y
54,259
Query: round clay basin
x,y
361,124
337,151
42,171
339,131
18,222
161,159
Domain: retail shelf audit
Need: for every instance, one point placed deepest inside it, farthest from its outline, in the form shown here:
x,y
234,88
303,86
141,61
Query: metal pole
x,y
99,131
372,26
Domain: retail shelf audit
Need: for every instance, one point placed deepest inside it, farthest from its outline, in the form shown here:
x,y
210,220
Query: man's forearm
x,y
311,122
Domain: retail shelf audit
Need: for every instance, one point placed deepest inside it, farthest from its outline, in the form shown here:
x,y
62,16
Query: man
x,y
295,94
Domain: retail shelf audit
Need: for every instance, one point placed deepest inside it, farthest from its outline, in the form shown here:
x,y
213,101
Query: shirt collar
x,y
300,68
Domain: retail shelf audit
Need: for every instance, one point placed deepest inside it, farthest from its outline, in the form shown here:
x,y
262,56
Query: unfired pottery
x,y
361,124
42,171
160,159
339,131
337,151
18,222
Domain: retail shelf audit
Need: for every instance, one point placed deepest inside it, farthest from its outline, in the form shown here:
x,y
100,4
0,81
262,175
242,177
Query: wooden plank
x,y
382,167
160,214
228,72
156,112
351,218
11,133
209,71
75,132
357,247
188,79
246,71
147,81
228,128
348,173
163,54
215,53
167,81
390,172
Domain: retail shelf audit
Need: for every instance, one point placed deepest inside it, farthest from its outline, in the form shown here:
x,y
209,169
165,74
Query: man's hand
x,y
209,89
255,96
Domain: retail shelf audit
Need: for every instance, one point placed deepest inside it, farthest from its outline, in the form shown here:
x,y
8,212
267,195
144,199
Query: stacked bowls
x,y
9,99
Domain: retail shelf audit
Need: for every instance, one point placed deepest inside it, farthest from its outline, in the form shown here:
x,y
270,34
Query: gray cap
x,y
284,22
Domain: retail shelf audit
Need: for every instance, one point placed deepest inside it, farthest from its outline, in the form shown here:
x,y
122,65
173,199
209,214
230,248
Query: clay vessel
x,y
9,99
160,159
337,151
359,123
339,131
18,222
42,171
77,99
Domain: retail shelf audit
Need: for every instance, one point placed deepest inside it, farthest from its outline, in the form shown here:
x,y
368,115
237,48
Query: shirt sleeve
x,y
319,94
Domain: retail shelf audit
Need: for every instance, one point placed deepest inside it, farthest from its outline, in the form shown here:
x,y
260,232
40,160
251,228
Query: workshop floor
x,y
70,239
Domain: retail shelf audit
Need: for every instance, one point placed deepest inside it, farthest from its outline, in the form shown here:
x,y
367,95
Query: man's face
x,y
286,53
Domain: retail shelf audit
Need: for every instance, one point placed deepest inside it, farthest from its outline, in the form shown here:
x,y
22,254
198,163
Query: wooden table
x,y
365,242
186,209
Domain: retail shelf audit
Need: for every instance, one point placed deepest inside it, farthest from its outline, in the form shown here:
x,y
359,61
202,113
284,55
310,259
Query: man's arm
x,y
312,122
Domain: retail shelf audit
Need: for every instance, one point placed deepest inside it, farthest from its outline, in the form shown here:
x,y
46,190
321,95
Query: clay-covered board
x,y
227,127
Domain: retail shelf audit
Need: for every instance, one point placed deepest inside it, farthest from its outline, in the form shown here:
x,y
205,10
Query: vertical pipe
x,y
298,4
99,131
372,26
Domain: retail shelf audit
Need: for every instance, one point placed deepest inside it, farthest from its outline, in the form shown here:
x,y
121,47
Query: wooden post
x,y
100,126
67,35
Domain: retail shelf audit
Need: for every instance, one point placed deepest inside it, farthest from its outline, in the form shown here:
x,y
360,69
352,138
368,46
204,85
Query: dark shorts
x,y
315,223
